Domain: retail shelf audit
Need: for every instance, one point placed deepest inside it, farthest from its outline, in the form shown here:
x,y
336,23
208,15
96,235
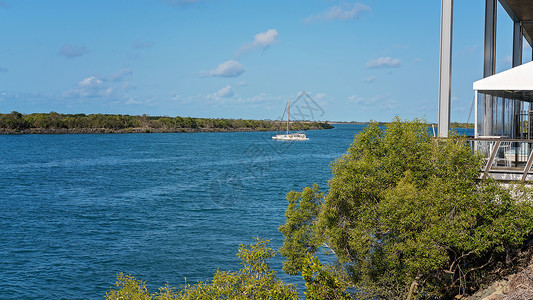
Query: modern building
x,y
503,101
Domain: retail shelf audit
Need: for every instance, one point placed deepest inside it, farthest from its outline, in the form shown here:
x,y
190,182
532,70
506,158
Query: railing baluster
x,y
491,159
521,154
528,166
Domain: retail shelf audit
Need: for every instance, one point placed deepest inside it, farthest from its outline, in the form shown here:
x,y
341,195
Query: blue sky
x,y
359,60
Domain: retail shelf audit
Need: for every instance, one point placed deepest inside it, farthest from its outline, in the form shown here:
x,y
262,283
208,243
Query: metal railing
x,y
505,159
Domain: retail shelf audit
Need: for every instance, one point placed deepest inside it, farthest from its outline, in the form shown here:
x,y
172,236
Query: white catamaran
x,y
290,136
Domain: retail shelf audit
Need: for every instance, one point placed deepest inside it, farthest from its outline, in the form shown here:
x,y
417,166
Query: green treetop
x,y
255,280
407,216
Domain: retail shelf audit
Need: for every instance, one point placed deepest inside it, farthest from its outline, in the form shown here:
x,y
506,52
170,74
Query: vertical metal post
x,y
446,27
489,61
517,60
288,114
517,44
489,57
476,134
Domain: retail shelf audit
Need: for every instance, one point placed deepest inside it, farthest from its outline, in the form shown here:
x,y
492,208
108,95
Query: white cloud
x,y
224,92
265,39
136,100
175,97
97,86
262,40
384,62
234,99
370,79
71,51
7,96
222,96
343,12
354,99
89,87
314,104
133,100
261,98
121,75
90,81
389,105
320,96
229,68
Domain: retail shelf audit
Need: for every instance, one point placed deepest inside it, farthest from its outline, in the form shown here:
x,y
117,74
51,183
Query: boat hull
x,y
291,137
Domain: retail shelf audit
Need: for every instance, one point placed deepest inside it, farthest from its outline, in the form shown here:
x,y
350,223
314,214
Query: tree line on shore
x,y
16,122
452,124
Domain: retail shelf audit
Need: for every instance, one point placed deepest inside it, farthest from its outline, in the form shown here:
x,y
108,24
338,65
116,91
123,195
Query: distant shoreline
x,y
452,124
54,123
4,131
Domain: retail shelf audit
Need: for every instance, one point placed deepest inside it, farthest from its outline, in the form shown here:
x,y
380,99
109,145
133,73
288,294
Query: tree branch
x,y
331,249
413,287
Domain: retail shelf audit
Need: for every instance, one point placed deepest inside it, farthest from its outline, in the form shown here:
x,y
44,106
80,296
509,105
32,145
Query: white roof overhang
x,y
515,83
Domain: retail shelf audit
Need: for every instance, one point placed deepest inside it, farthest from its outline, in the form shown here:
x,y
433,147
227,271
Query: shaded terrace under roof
x,y
521,11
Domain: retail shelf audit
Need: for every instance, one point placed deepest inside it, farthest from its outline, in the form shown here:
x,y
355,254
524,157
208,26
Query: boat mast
x,y
288,113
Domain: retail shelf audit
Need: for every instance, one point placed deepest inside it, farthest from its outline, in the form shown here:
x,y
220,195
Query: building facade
x,y
503,101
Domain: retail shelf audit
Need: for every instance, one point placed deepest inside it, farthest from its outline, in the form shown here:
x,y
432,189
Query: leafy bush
x,y
255,280
407,216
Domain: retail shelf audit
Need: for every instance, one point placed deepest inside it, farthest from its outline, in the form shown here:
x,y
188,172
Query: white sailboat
x,y
299,136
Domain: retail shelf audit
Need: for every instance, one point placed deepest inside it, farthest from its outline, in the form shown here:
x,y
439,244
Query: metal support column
x,y
489,61
476,133
517,43
517,60
446,26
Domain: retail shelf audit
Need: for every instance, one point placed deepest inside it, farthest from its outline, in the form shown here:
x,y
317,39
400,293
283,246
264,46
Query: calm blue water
x,y
75,210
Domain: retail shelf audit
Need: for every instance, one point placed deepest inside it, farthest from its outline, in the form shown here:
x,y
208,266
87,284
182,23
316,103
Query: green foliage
x,y
128,288
321,283
407,214
461,125
300,242
15,122
255,280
